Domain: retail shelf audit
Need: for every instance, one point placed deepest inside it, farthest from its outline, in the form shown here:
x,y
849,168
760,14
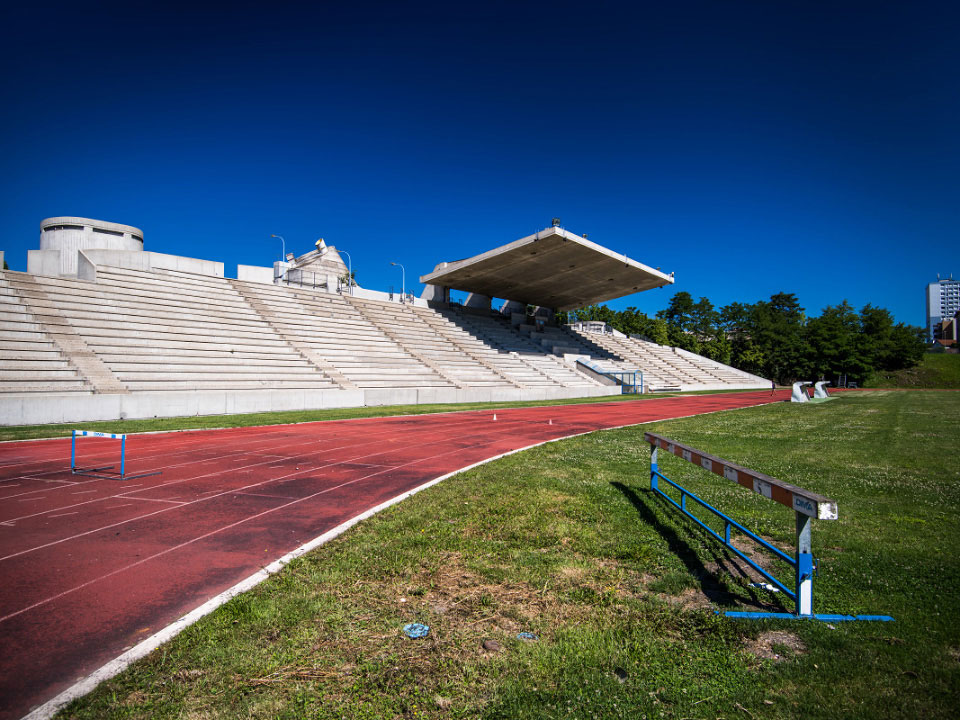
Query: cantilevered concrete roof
x,y
553,268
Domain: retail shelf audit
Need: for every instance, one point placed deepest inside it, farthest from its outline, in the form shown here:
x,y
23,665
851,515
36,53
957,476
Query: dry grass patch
x,y
776,645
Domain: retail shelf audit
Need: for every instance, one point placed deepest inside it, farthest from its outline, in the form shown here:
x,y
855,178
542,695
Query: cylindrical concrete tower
x,y
67,235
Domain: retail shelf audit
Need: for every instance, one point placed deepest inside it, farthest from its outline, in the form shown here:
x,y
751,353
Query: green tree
x,y
703,320
718,347
680,317
836,344
658,331
776,329
889,346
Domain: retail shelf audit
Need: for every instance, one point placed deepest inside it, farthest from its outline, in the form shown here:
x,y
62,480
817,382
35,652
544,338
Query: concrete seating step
x,y
186,375
34,351
41,386
33,373
27,345
211,360
230,384
253,369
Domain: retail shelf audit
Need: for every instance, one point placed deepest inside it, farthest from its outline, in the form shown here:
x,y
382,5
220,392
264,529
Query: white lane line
x,y
118,665
118,506
29,500
292,475
209,533
84,492
175,502
75,512
272,497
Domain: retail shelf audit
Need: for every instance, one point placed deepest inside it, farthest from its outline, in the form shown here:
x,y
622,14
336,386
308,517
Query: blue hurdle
x,y
101,472
806,505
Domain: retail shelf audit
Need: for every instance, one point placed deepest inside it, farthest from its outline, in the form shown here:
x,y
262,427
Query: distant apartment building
x,y
943,302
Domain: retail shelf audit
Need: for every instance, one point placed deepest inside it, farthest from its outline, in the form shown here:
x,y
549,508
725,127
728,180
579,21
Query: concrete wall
x,y
69,408
43,262
67,236
364,293
253,273
147,261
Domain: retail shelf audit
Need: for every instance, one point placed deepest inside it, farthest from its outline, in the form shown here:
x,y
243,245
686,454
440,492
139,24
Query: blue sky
x,y
748,147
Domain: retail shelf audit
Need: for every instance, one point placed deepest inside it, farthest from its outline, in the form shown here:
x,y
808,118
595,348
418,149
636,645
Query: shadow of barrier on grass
x,y
726,563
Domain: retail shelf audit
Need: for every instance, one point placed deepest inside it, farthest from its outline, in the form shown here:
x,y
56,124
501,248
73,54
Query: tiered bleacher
x,y
520,357
30,361
666,367
149,333
159,331
333,329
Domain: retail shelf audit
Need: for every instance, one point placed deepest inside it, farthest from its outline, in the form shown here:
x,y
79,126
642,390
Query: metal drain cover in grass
x,y
415,630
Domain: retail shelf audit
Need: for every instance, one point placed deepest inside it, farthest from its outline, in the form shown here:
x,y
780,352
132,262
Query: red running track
x,y
92,566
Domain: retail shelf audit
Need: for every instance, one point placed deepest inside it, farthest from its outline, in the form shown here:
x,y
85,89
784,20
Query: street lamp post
x,y
283,247
283,251
349,269
403,281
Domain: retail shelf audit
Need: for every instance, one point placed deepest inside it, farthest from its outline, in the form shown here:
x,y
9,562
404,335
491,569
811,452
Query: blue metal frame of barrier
x,y
728,523
101,472
803,563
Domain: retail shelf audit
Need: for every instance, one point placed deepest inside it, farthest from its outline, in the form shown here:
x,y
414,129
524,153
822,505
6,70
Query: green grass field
x,y
566,541
936,370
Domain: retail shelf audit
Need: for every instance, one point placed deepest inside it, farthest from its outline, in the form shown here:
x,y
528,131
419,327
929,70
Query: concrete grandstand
x,y
100,329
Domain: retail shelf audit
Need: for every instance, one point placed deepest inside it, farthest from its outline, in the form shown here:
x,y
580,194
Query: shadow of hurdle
x,y
682,542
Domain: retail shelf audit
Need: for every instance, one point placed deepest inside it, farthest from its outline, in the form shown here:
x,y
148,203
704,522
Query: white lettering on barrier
x,y
802,505
730,474
706,464
761,487
687,456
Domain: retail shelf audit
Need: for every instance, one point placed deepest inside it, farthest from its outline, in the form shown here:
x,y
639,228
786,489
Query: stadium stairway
x,y
665,366
410,330
163,330
31,359
337,333
518,356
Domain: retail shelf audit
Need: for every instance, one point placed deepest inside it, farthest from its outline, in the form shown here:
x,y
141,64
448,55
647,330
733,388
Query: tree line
x,y
775,338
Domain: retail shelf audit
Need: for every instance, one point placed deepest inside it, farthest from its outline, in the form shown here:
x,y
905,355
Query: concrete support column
x,y
476,300
513,306
436,293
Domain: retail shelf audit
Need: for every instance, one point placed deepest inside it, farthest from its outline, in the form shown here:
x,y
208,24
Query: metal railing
x,y
627,380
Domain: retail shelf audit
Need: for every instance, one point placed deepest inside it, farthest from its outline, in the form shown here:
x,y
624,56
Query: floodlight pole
x,y
349,269
283,247
403,281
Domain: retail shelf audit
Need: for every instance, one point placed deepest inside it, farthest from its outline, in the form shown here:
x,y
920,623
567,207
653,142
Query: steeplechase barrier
x,y
102,472
806,505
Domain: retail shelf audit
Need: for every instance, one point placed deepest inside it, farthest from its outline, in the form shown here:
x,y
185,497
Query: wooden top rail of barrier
x,y
803,501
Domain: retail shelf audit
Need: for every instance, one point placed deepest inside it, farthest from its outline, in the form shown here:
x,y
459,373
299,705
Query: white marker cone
x,y
551,422
494,416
